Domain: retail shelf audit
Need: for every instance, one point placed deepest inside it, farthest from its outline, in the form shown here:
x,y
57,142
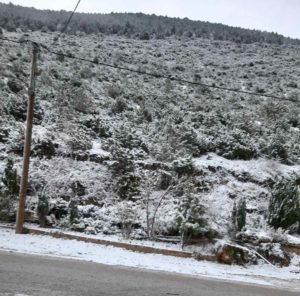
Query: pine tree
x,y
239,214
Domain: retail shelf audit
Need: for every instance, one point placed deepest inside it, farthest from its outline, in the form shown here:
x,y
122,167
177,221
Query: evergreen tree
x,y
190,215
10,179
9,190
42,210
239,214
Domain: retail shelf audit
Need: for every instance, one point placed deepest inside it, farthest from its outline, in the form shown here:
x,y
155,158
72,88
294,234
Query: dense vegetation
x,y
134,25
117,152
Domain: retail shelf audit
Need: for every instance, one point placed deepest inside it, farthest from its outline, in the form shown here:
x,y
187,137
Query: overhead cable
x,y
155,75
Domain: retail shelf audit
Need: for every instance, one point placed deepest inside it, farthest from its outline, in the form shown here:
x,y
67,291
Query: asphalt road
x,y
35,275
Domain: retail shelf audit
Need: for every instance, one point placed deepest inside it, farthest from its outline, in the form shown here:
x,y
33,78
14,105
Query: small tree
x,y
8,191
123,169
127,215
190,216
73,210
149,183
42,210
10,179
284,207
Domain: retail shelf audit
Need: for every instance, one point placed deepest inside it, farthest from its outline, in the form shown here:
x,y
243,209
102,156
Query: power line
x,y
70,18
16,41
155,75
71,56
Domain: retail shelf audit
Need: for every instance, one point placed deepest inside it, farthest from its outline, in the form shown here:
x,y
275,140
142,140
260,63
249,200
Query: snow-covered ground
x,y
288,277
258,169
112,238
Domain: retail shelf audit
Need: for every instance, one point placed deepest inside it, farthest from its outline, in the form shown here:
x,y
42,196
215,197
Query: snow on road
x,y
45,245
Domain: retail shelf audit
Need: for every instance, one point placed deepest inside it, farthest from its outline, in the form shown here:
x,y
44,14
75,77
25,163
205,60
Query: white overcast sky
x,y
282,16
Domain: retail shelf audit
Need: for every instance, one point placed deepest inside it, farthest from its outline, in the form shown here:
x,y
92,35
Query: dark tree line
x,y
134,25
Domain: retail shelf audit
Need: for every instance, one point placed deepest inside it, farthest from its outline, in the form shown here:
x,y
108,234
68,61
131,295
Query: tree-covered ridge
x,y
134,25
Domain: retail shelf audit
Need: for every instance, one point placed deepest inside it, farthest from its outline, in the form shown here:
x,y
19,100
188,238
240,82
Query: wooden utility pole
x,y
27,144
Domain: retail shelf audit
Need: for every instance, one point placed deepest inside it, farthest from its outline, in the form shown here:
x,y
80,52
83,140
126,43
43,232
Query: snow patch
x,y
97,149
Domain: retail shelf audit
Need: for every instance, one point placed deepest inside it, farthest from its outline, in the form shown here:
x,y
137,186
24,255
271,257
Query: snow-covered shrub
x,y
79,138
17,67
278,147
190,215
144,36
59,208
44,148
80,100
164,152
236,144
128,138
126,179
86,72
2,86
5,127
127,185
10,179
127,215
43,145
274,110
191,142
113,91
15,141
73,211
164,180
78,189
122,160
46,79
293,118
274,253
14,86
7,210
183,166
60,57
16,106
119,106
294,96
97,125
147,115
72,99
173,139
284,205
42,210
153,200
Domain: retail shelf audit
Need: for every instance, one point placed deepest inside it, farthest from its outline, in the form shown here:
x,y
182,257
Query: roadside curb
x,y
126,246
293,248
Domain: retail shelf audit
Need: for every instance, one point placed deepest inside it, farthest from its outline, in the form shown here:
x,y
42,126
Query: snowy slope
x,y
106,142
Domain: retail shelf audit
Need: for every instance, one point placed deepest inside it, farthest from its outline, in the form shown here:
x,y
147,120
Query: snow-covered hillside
x,y
119,153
